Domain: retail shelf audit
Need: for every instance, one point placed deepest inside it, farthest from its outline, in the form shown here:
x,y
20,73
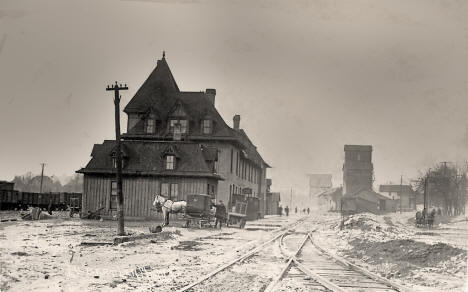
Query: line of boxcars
x,y
16,200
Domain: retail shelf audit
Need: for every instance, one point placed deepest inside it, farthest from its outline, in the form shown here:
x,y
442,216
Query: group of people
x,y
286,210
424,218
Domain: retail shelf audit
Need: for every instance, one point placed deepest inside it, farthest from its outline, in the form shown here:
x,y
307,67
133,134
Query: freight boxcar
x,y
10,200
15,200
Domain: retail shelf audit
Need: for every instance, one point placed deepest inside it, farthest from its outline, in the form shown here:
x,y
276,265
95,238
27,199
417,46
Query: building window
x,y
179,123
237,163
114,161
206,127
232,158
113,195
150,126
170,162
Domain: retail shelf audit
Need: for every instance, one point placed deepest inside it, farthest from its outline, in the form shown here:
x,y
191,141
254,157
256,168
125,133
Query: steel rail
x,y
283,230
359,269
292,259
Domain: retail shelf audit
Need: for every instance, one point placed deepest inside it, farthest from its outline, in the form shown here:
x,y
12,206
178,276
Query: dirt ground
x,y
48,255
390,245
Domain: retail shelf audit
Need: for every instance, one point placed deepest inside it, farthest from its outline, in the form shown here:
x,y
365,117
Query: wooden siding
x,y
138,193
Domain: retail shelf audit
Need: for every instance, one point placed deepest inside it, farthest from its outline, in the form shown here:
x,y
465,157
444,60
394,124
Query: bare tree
x,y
445,187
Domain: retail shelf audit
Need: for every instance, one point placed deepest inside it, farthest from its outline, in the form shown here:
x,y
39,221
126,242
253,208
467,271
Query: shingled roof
x,y
147,158
366,191
396,189
160,94
159,82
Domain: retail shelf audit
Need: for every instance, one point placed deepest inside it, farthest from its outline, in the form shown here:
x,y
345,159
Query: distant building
x,y
331,199
367,201
272,200
176,144
357,168
403,194
358,177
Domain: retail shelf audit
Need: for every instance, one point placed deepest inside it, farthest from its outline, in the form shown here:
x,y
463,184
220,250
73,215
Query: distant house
x,y
331,198
366,201
404,195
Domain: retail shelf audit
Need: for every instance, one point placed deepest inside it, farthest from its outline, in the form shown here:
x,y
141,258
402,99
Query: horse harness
x,y
165,201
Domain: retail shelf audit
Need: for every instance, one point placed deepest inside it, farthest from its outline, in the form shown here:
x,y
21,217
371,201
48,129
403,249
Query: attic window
x,y
150,125
114,160
207,127
178,123
170,162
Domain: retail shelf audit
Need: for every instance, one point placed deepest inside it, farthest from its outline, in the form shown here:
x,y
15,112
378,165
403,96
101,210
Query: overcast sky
x,y
306,77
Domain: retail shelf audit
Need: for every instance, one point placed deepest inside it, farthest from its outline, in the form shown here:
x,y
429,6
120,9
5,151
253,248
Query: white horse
x,y
169,206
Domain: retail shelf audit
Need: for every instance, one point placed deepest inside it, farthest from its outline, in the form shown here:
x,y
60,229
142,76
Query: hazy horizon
x,y
307,77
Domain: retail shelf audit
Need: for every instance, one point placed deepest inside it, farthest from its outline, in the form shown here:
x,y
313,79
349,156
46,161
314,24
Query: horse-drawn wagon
x,y
237,215
198,210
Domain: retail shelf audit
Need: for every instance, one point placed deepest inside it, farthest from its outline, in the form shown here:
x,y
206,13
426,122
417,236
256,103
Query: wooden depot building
x,y
176,144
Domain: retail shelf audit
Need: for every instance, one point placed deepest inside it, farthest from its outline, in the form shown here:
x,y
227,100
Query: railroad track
x,y
311,268
308,267
280,232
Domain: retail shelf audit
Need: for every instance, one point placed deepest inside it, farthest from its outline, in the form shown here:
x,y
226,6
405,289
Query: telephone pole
x,y
425,191
401,191
120,201
42,176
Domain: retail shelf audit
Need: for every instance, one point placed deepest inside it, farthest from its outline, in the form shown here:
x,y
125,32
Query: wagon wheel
x,y
242,223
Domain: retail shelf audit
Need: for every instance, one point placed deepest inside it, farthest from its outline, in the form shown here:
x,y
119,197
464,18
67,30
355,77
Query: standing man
x,y
286,210
220,214
308,210
295,210
280,211
49,207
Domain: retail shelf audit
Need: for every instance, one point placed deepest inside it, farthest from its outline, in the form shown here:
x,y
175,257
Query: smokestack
x,y
236,120
211,93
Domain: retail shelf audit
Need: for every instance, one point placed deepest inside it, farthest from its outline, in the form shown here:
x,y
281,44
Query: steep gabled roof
x,y
161,93
159,82
251,149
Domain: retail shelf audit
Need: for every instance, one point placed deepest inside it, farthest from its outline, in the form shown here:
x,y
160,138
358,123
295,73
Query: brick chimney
x,y
211,93
236,122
